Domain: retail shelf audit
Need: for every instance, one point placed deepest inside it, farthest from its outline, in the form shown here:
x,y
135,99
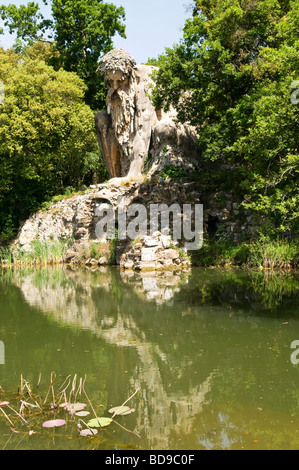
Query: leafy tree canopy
x,y
232,75
81,30
47,137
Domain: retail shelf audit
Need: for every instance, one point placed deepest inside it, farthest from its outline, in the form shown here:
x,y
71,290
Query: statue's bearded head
x,y
117,79
118,68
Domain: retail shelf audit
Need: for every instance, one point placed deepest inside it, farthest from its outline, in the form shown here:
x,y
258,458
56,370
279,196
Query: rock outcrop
x,y
139,146
75,219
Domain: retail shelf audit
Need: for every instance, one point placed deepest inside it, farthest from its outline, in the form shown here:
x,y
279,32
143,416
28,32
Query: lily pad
x,y
54,423
73,406
88,432
121,410
82,413
99,422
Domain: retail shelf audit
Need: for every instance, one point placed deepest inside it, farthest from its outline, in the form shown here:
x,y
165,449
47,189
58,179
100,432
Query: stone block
x,y
149,242
148,254
170,254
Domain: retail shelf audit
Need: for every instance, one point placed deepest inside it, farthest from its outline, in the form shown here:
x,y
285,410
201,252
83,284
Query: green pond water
x,y
210,351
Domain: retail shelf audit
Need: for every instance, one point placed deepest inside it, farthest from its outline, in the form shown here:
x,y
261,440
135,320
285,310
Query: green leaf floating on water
x,y
121,410
99,422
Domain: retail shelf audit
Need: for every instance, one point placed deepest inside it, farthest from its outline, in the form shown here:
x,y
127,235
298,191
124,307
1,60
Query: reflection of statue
x,y
124,131
162,412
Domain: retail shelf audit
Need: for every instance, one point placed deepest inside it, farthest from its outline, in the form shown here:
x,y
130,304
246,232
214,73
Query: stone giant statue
x,y
131,129
124,130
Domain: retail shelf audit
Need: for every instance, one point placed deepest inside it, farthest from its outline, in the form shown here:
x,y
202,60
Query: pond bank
x,y
158,252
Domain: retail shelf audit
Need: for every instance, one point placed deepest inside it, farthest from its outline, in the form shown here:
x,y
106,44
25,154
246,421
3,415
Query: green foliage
x,y
105,249
220,253
231,76
274,253
113,247
26,20
173,172
6,256
157,62
40,253
263,253
99,250
47,137
80,30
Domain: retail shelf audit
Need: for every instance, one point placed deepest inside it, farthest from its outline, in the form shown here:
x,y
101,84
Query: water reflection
x,y
209,350
72,298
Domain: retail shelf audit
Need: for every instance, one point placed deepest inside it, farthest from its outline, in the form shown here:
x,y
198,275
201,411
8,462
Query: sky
x,y
151,25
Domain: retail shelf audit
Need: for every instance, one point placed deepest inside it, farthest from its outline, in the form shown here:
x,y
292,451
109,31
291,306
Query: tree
x,y
47,137
231,76
81,30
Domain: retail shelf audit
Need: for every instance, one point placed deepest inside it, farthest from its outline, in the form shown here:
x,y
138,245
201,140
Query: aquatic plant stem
x,y
51,387
90,429
115,413
7,417
128,430
83,388
20,416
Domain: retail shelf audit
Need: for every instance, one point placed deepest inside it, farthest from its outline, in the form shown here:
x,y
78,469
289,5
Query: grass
x,y
262,253
99,250
6,256
40,253
105,249
274,254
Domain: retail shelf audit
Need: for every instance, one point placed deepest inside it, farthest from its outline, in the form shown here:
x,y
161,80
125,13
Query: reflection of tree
x,y
228,427
249,289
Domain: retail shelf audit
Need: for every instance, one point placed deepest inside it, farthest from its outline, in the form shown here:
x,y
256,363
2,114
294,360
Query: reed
x,y
41,253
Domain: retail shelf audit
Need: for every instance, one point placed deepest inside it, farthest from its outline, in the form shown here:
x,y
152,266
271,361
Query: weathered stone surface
x,y
131,129
124,131
75,219
134,137
148,254
171,254
151,242
166,241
